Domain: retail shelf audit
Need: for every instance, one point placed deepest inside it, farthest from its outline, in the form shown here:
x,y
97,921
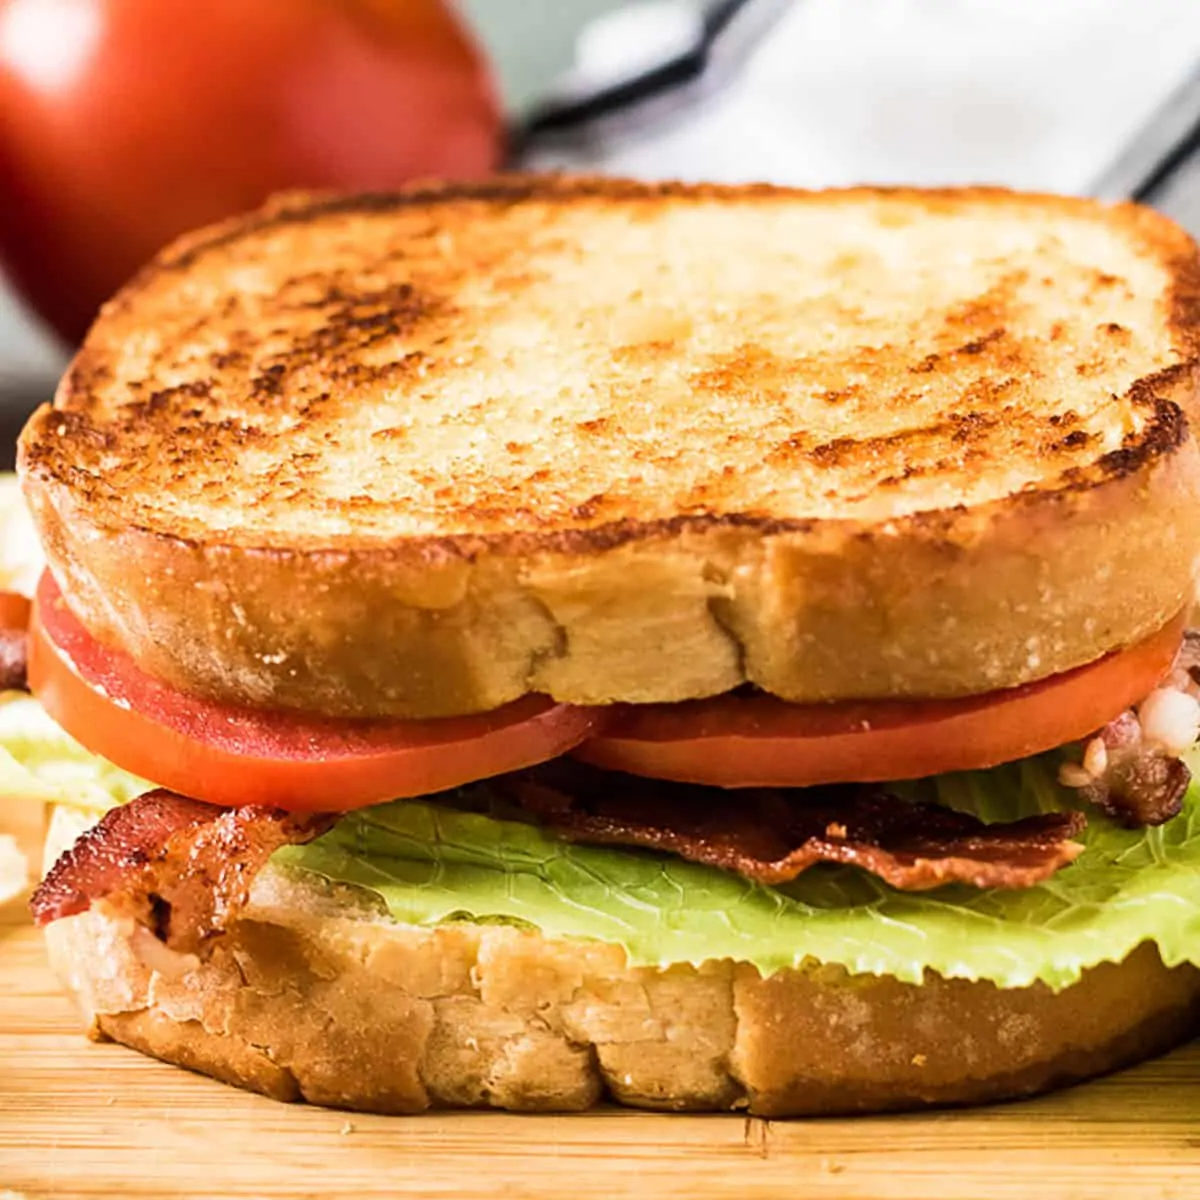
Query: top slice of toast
x,y
537,357
420,454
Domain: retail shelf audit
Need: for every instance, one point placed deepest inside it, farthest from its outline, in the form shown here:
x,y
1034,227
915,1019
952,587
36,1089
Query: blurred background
x,y
123,122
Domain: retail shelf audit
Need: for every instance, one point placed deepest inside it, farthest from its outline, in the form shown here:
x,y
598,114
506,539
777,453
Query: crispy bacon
x,y
13,655
1138,783
771,835
1131,769
177,867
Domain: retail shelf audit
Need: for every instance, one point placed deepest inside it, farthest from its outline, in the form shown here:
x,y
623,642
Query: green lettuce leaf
x,y
431,863
42,763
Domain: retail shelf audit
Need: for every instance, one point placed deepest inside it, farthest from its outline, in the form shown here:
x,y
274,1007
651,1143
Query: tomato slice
x,y
14,610
233,755
754,740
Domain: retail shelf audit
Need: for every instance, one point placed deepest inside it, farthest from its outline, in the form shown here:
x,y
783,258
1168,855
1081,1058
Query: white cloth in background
x,y
1031,93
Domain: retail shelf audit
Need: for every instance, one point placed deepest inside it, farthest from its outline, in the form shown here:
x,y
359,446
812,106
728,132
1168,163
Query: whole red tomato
x,y
126,122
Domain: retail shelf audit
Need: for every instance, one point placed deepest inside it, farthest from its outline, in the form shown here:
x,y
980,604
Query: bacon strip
x,y
1139,782
181,869
1131,768
177,867
13,658
771,836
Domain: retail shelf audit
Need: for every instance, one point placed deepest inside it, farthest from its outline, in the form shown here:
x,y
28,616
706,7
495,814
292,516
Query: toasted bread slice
x,y
313,994
419,454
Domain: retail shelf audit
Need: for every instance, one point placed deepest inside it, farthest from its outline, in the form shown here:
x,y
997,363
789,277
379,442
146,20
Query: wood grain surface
x,y
80,1120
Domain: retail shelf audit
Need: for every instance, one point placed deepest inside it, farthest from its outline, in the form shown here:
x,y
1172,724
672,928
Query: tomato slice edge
x,y
728,741
15,610
759,741
231,755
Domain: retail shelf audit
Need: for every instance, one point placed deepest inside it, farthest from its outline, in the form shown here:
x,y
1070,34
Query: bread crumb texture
x,y
311,997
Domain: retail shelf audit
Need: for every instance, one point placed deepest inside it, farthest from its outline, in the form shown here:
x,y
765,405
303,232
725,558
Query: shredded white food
x,y
1170,719
1167,723
1095,757
1072,775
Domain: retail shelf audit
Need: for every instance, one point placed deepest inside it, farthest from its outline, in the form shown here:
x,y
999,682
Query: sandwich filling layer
x,y
473,857
236,754
1032,870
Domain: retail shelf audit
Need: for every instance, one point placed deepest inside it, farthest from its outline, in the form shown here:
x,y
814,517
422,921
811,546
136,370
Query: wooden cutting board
x,y
79,1120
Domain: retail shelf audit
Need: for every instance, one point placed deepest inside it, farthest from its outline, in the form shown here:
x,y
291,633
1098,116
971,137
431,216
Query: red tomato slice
x,y
232,755
14,610
758,741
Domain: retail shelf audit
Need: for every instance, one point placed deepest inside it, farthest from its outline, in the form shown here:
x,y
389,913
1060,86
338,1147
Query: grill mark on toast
x,y
1167,430
325,343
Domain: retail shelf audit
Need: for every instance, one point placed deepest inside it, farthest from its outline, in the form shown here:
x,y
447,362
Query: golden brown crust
x,y
418,454
313,996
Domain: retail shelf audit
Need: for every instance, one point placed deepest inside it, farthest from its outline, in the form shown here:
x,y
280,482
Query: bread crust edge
x,y
941,603
944,603
313,995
